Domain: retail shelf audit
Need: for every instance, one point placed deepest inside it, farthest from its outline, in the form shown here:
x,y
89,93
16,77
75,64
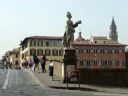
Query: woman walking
x,y
43,63
51,69
36,62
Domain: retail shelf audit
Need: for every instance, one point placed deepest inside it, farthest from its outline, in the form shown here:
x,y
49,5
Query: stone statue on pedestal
x,y
68,37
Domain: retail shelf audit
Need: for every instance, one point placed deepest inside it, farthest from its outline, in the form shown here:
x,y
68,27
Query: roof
x,y
96,44
42,37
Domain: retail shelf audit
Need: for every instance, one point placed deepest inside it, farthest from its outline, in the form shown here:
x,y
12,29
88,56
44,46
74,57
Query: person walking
x,y
43,63
36,62
51,69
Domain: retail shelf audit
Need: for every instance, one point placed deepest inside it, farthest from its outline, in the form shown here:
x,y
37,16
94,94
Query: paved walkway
x,y
45,79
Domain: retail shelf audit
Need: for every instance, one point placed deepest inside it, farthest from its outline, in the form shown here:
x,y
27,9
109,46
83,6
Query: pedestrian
x,y
36,63
43,63
51,69
30,63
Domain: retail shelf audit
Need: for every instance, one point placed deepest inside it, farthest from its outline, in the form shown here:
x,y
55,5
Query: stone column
x,y
70,62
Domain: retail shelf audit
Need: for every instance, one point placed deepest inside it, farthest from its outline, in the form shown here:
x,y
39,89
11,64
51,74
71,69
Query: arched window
x,y
61,52
40,52
32,51
47,52
120,51
84,50
92,62
113,51
39,43
84,62
77,50
106,51
54,52
98,51
91,50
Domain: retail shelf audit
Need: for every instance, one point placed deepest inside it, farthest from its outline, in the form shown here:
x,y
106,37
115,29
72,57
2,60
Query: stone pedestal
x,y
70,62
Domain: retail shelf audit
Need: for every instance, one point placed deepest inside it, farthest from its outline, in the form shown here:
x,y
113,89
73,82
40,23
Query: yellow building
x,y
14,58
50,46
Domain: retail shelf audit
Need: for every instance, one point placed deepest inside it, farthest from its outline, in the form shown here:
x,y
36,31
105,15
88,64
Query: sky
x,y
23,18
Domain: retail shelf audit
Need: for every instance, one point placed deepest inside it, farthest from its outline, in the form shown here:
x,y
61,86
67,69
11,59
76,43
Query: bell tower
x,y
113,35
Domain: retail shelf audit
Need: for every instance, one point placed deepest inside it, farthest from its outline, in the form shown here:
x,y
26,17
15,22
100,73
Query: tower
x,y
113,35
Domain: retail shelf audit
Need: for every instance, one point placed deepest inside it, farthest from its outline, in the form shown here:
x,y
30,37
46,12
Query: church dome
x,y
79,39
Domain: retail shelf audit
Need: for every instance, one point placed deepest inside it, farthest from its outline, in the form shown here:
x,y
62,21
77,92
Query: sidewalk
x,y
45,79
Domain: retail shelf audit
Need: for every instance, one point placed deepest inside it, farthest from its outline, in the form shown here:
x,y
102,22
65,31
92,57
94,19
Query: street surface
x,y
14,82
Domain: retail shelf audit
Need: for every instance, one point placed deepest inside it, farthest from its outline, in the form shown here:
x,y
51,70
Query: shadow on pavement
x,y
74,88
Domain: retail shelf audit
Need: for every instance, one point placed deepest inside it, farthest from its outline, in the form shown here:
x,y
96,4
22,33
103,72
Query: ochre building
x,y
51,46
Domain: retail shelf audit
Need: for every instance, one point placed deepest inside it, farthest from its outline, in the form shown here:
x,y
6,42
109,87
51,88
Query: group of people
x,y
7,63
35,61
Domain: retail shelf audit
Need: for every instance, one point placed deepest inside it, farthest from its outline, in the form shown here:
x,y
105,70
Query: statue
x,y
68,37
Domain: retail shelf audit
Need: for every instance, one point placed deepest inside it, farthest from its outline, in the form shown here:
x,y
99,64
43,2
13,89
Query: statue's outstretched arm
x,y
76,24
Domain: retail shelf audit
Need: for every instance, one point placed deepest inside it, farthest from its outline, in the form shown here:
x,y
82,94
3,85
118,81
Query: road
x,y
22,83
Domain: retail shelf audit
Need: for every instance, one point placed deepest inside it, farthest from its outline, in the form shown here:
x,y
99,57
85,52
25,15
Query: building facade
x,y
98,52
126,57
15,58
48,45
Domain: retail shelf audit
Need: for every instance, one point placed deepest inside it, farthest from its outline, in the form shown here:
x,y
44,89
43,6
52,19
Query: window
x,y
47,43
92,62
23,56
88,63
113,62
78,62
113,51
30,42
84,63
47,52
55,43
120,51
91,50
39,52
81,63
33,43
110,63
60,52
121,63
83,50
54,52
106,51
77,51
16,62
39,43
42,43
98,51
26,53
32,51
106,63
99,62
17,55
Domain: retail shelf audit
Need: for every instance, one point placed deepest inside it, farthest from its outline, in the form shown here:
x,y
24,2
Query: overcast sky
x,y
23,18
